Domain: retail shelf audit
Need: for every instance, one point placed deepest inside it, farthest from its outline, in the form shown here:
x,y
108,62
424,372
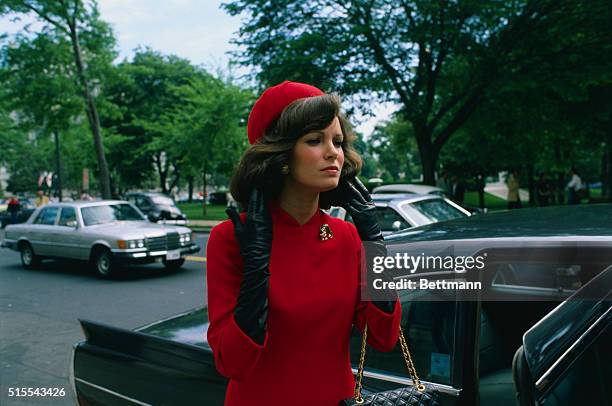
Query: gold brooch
x,y
325,233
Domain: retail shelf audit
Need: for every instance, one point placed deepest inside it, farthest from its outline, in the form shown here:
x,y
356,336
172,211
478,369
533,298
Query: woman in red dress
x,y
283,277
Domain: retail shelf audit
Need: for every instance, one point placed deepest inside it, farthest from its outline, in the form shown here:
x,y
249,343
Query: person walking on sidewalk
x,y
575,187
514,199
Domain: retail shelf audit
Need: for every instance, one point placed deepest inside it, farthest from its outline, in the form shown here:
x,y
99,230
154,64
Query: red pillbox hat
x,y
271,104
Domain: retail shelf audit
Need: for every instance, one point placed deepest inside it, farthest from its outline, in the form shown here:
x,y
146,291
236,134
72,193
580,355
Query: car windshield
x,y
166,201
438,210
109,213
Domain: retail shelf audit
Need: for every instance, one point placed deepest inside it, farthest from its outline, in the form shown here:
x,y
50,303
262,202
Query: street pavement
x,y
39,312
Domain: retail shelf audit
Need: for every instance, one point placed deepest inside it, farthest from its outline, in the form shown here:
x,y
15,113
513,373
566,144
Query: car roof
x,y
147,194
85,203
553,221
401,197
406,188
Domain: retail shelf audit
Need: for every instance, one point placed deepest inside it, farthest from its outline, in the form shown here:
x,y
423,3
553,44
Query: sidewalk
x,y
202,225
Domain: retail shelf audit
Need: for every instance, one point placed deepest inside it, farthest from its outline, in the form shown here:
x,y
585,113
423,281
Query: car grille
x,y
167,242
157,243
173,241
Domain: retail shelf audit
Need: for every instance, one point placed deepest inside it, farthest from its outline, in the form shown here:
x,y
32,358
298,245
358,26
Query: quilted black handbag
x,y
415,395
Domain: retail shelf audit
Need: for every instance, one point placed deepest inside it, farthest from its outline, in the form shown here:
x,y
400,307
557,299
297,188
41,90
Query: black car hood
x,y
188,328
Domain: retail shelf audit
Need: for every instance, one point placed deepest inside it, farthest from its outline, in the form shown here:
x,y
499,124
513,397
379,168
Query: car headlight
x,y
130,244
185,238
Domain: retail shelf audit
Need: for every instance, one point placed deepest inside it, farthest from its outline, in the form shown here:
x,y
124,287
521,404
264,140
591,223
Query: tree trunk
x,y
204,190
190,187
480,182
531,184
162,171
58,165
428,154
92,115
176,178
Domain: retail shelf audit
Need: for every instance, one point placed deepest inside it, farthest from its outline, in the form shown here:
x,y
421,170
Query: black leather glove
x,y
255,240
356,200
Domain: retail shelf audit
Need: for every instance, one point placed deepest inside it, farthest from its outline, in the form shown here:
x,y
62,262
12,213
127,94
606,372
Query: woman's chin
x,y
328,187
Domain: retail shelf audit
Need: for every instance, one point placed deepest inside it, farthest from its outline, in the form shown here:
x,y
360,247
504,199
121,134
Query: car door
x,y
565,358
42,227
64,235
440,329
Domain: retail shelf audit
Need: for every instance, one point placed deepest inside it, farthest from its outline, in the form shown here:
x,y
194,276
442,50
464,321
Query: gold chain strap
x,y
407,358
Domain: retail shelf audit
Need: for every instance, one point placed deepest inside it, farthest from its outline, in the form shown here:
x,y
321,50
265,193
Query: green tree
x,y
435,59
395,150
92,44
40,90
139,94
207,129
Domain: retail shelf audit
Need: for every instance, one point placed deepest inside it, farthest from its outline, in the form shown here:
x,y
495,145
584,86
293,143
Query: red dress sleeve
x,y
383,328
235,353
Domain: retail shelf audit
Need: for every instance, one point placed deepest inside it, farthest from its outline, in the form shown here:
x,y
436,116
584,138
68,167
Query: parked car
x,y
27,208
400,211
550,266
106,233
158,207
425,190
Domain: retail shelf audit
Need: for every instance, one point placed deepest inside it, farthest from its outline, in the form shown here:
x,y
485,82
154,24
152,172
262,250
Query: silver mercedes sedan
x,y
105,233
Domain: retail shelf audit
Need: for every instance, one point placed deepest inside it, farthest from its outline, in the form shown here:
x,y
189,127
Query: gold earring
x,y
285,169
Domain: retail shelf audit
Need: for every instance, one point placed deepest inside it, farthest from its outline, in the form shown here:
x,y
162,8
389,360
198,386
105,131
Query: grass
x,y
492,203
193,211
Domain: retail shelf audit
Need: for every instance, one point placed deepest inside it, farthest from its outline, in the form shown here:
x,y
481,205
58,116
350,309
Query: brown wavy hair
x,y
260,165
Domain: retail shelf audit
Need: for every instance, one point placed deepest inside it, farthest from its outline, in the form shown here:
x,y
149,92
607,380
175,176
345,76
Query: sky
x,y
197,30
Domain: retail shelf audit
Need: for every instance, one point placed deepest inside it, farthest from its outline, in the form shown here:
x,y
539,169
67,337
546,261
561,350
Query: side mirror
x,y
396,225
72,223
152,217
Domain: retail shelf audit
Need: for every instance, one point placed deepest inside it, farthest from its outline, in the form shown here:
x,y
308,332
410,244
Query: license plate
x,y
171,255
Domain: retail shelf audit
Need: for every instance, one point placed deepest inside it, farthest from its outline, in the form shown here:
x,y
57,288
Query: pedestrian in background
x,y
85,195
575,187
283,278
543,190
458,190
41,198
443,183
14,206
514,199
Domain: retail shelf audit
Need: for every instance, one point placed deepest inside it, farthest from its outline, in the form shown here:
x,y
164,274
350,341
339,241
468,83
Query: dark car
x,y
25,211
539,330
158,207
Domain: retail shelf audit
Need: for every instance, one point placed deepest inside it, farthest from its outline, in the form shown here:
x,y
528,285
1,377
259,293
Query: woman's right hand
x,y
255,240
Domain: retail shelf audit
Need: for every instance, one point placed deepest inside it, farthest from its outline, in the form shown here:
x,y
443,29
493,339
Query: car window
x,y
143,202
437,210
429,328
47,216
565,276
109,213
67,214
387,216
587,381
163,200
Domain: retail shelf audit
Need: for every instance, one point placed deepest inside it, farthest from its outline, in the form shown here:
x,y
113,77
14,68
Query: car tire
x,y
174,265
102,261
29,260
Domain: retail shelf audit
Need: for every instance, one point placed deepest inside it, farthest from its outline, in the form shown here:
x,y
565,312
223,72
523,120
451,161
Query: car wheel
x,y
174,265
28,259
103,263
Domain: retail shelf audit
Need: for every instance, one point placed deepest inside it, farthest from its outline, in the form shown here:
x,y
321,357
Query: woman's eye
x,y
313,142
338,143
